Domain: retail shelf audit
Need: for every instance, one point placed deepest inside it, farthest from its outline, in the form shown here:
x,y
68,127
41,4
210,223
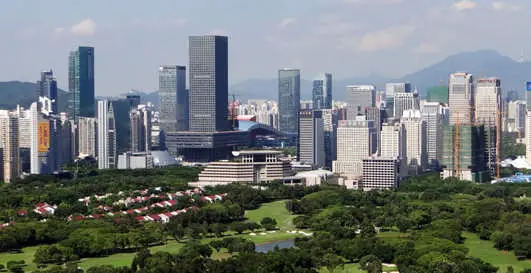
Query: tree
x,y
268,223
239,227
331,261
16,266
510,269
252,226
371,263
367,229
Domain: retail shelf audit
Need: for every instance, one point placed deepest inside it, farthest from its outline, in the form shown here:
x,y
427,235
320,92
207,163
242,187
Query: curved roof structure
x,y
251,126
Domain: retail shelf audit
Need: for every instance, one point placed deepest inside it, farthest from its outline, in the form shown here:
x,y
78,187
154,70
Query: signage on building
x,y
44,136
528,86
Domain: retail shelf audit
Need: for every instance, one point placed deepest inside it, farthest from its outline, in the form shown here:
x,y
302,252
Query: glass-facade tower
x,y
48,88
173,98
322,92
209,83
81,101
289,97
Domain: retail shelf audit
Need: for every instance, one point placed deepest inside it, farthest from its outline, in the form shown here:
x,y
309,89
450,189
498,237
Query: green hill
x,y
15,93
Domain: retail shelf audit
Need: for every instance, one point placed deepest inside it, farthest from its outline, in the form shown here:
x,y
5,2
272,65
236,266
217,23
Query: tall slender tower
x,y
311,145
48,88
9,146
289,97
140,129
81,102
173,98
209,83
106,135
322,92
461,98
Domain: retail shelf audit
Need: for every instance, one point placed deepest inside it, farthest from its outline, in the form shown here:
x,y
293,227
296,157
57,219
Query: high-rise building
x,y
107,156
356,140
81,102
392,88
359,97
488,108
9,147
431,114
209,86
374,114
140,129
134,100
322,92
87,136
311,146
463,153
48,88
415,129
380,173
393,141
461,98
173,98
289,97
330,137
66,139
515,118
405,101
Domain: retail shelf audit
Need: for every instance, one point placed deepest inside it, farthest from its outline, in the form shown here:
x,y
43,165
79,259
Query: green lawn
x,y
276,210
26,255
485,250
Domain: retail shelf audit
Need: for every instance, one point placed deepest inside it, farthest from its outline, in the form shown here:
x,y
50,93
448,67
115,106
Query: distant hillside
x,y
15,93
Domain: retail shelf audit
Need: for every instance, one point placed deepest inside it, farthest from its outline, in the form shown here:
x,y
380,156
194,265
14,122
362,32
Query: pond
x,y
267,247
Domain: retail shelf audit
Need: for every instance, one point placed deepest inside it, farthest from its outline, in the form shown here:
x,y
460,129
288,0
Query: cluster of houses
x,y
44,209
140,196
163,217
4,225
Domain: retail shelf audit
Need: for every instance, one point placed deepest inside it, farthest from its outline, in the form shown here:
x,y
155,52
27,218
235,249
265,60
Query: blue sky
x,y
350,38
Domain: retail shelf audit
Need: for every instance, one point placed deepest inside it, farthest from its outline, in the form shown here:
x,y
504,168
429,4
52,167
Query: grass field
x,y
485,250
276,210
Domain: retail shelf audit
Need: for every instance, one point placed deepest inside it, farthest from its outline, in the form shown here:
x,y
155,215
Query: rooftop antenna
x,y
523,57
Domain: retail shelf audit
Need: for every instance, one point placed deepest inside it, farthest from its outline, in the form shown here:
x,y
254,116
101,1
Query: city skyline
x,y
295,37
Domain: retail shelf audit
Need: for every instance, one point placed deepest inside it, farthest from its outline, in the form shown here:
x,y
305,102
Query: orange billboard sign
x,y
44,136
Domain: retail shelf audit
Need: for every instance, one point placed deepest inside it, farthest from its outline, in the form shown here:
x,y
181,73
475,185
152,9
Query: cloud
x,y
505,6
426,48
384,39
464,5
86,27
286,22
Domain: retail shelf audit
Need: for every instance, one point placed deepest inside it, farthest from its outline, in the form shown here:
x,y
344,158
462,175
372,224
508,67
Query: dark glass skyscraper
x,y
322,92
48,88
173,98
209,85
81,101
289,97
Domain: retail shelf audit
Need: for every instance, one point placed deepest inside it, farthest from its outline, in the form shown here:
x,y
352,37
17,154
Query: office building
x,y
330,137
106,135
208,83
488,108
205,147
415,129
431,114
289,97
322,92
356,140
359,98
81,102
405,101
461,98
393,141
515,118
87,137
48,88
134,100
380,173
140,129
463,153
392,88
65,140
133,161
247,167
311,145
374,114
9,147
173,98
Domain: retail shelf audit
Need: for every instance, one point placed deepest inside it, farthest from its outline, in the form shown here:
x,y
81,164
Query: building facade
x,y
107,156
380,173
140,129
48,88
415,129
135,161
359,98
209,86
289,97
311,144
81,102
87,136
174,108
322,92
9,146
461,94
405,101
431,114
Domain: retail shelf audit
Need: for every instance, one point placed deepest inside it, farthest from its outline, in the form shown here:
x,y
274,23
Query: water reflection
x,y
267,247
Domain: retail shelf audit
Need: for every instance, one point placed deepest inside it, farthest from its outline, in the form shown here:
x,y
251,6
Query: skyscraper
x,y
173,98
356,140
359,97
48,88
415,129
81,102
106,135
392,88
488,107
289,97
66,138
87,136
209,85
9,146
322,92
431,114
405,101
140,129
134,100
311,146
330,138
461,98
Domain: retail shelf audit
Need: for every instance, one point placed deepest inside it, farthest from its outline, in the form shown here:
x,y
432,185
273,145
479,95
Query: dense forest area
x,y
427,217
